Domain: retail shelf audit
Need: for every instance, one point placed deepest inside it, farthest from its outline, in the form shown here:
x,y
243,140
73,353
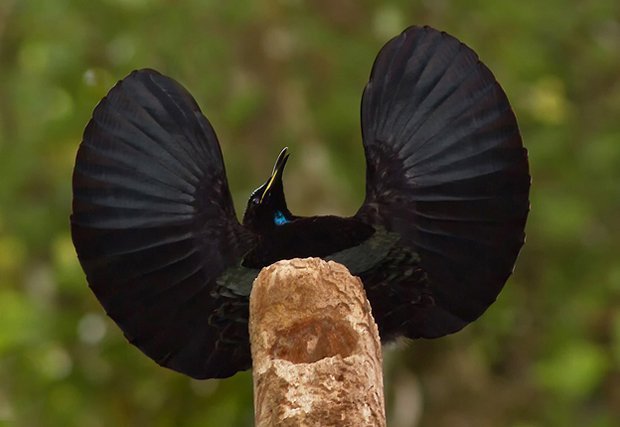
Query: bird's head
x,y
266,207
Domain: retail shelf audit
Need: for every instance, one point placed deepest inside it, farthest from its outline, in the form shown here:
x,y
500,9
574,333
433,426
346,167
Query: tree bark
x,y
315,347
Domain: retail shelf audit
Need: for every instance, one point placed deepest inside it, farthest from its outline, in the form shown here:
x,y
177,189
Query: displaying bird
x,y
434,241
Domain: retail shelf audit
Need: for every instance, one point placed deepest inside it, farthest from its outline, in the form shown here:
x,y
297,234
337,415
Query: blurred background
x,y
291,72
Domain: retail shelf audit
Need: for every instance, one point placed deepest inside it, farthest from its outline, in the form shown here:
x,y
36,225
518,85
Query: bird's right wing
x,y
446,170
154,226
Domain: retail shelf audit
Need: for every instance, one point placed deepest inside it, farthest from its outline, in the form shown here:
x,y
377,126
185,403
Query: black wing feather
x,y
446,170
154,224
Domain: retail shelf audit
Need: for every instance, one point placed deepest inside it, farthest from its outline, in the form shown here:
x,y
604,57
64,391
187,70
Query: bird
x,y
434,241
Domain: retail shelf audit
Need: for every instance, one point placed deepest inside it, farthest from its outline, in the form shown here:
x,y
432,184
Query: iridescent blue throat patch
x,y
279,218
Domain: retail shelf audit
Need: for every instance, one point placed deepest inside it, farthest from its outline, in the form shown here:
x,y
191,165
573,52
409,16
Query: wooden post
x,y
315,347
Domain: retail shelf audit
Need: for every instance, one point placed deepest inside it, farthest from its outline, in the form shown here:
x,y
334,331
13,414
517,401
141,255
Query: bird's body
x,y
318,236
436,238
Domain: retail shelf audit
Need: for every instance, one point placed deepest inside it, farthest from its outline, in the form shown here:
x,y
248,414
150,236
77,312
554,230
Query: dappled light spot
x,y
574,371
55,362
59,103
40,284
204,388
19,322
547,101
89,77
35,56
387,21
278,43
91,328
121,50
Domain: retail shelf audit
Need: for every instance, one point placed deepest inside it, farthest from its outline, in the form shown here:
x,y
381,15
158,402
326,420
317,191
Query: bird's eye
x,y
255,201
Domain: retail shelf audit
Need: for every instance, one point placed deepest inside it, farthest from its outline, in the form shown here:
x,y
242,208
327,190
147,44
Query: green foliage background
x,y
291,72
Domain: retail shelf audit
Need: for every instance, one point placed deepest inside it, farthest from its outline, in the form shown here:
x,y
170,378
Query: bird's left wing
x,y
154,225
445,170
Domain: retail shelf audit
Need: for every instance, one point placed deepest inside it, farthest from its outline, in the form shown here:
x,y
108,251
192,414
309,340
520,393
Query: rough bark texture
x,y
315,347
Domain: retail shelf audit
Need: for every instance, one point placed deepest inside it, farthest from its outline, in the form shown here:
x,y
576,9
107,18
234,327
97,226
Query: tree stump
x,y
315,347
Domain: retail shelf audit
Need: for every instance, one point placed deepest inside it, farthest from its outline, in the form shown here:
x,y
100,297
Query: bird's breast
x,y
308,237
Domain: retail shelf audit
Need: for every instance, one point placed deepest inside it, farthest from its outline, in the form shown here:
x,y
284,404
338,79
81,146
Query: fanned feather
x,y
154,225
446,170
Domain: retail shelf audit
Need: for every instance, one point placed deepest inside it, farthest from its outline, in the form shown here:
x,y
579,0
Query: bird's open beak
x,y
278,168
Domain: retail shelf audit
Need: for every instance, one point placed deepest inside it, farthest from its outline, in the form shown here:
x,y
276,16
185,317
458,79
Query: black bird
x,y
435,240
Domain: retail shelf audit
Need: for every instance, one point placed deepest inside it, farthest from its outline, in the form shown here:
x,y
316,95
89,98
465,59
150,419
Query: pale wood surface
x,y
315,347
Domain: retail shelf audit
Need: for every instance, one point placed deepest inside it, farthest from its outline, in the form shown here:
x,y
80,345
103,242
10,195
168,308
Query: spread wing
x,y
446,170
154,225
